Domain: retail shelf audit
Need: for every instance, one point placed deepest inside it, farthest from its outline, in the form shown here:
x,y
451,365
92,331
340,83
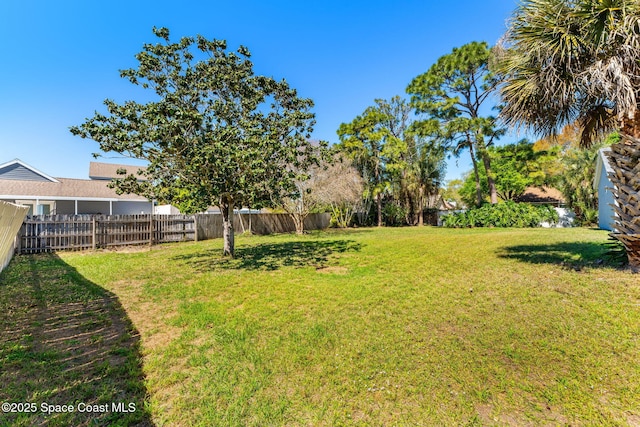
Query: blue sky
x,y
60,59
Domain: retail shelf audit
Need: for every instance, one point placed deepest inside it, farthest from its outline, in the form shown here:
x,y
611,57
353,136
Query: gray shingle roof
x,y
66,188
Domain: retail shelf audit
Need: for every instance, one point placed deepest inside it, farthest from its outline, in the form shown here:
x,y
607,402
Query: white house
x,y
604,186
43,194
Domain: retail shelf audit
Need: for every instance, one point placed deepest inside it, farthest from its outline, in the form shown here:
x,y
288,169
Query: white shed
x,y
601,181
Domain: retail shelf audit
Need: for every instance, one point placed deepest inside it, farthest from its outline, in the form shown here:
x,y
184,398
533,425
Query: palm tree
x,y
576,183
425,173
430,170
579,60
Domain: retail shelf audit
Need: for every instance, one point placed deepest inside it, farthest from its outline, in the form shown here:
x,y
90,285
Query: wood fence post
x,y
195,227
93,232
17,243
150,230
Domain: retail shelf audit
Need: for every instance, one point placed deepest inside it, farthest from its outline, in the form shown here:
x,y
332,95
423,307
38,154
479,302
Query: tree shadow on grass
x,y
66,341
573,255
347,231
273,256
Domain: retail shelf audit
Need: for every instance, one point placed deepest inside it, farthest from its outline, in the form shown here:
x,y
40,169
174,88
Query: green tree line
x,y
217,134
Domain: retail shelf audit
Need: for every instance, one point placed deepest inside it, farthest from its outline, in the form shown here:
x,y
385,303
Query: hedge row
x,y
507,214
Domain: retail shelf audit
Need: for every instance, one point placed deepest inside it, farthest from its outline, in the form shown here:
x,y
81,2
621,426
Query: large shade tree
x,y
414,163
393,158
370,141
579,60
451,95
214,133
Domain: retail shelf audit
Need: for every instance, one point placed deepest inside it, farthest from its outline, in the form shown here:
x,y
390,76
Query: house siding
x,y
86,207
17,172
132,208
65,207
606,201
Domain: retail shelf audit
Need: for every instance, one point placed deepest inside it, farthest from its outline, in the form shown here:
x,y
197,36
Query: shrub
x,y
507,214
394,215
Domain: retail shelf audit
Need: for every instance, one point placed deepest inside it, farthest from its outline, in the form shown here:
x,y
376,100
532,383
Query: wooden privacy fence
x,y
11,216
81,232
210,226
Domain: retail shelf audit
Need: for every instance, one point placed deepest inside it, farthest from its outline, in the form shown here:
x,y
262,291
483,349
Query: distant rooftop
x,y
63,188
108,171
18,180
544,195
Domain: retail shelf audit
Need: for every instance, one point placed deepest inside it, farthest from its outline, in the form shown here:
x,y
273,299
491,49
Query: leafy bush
x,y
586,216
394,215
342,215
507,214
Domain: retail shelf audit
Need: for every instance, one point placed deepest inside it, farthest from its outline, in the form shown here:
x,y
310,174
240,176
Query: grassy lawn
x,y
407,326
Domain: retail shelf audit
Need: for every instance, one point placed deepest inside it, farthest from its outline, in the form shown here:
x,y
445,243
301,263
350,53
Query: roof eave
x,y
80,199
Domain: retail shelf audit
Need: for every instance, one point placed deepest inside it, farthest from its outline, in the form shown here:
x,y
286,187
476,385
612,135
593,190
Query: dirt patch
x,y
633,420
489,416
333,270
160,339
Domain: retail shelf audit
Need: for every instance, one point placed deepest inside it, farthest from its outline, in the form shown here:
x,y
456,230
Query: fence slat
x,y
11,216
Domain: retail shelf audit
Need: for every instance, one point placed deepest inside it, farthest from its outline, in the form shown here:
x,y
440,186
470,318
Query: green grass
x,y
65,341
408,326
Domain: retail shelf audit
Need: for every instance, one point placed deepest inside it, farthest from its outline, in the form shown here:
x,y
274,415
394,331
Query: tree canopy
x,y
395,161
516,167
214,134
566,61
450,95
370,142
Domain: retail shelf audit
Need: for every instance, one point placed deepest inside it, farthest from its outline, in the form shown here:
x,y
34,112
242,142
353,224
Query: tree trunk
x,y
363,213
241,221
493,193
376,176
625,162
477,176
632,127
226,206
410,212
421,207
298,221
379,205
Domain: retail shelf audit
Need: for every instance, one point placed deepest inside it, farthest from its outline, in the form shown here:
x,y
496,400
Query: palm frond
x,y
567,60
595,123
